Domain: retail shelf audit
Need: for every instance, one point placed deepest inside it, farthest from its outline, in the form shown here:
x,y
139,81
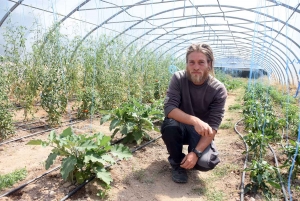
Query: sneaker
x,y
179,175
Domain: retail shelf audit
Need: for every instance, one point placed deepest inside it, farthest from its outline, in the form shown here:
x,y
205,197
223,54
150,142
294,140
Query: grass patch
x,y
226,125
229,119
141,176
209,194
199,190
10,179
221,171
214,195
236,106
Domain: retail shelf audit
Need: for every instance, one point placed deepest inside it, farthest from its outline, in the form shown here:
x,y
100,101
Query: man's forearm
x,y
205,141
182,117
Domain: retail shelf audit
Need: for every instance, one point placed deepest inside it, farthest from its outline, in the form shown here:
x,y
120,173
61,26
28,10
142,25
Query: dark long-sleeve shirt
x,y
204,101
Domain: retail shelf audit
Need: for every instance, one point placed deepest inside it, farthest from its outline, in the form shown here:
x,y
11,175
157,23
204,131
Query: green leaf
x,y
138,135
105,118
124,130
105,140
147,124
79,177
108,158
127,128
103,175
121,151
114,123
259,178
52,136
274,184
66,132
93,157
50,159
67,166
35,142
87,145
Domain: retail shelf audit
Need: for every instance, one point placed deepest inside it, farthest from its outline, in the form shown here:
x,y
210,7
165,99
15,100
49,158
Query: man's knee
x,y
206,165
170,128
169,124
209,160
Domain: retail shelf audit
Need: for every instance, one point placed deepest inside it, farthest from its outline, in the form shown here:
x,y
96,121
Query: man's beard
x,y
197,78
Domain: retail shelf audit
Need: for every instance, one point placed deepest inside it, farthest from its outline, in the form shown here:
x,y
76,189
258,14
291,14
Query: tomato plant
x,y
6,122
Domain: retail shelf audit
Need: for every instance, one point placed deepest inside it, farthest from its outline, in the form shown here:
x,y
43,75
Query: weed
x,y
10,179
236,106
199,190
221,171
226,125
214,195
139,175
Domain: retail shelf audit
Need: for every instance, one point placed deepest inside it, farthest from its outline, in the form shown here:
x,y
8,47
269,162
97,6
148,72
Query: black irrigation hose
x,y
46,125
245,163
23,185
279,175
93,177
32,121
39,132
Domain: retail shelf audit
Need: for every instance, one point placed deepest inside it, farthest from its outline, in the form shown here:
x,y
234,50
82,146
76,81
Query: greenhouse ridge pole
x,y
10,10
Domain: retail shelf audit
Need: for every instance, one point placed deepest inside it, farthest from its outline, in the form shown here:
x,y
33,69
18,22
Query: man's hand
x,y
189,161
203,128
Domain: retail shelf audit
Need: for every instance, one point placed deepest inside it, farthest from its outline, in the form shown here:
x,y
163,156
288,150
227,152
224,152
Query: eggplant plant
x,y
83,156
133,120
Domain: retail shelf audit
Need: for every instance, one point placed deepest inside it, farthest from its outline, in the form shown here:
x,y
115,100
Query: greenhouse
x,y
84,87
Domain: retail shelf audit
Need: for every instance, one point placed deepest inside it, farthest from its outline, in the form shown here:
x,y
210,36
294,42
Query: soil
x,y
145,176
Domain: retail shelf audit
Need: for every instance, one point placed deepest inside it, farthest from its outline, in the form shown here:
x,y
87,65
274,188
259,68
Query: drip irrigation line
x,y
32,121
45,126
23,185
278,174
93,177
39,132
245,163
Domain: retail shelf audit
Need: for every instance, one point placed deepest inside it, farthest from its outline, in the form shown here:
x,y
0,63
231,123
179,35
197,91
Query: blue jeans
x,y
176,134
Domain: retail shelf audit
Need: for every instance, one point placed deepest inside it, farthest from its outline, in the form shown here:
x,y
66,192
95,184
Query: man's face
x,y
197,67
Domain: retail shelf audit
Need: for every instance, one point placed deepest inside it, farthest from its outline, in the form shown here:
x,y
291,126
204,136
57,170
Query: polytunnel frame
x,y
277,74
220,40
278,32
295,9
194,6
276,19
10,11
218,48
282,64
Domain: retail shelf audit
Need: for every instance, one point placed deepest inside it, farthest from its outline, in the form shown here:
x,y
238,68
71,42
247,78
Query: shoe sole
x,y
179,181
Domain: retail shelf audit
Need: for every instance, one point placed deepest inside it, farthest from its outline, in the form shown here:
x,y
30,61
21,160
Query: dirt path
x,y
146,176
